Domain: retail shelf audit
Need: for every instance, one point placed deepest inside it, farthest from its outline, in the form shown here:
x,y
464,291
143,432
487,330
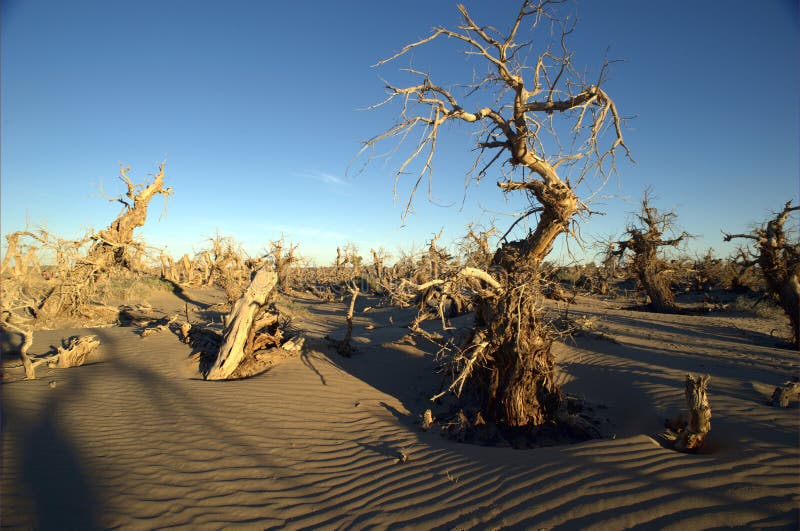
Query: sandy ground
x,y
136,440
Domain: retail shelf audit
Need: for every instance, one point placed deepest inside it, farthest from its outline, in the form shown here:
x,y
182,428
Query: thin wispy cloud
x,y
323,177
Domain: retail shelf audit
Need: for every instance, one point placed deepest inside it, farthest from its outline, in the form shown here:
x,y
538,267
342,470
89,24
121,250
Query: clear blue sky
x,y
255,105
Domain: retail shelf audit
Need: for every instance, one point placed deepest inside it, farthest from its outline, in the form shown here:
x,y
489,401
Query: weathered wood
x,y
345,348
27,340
699,425
427,420
783,395
76,351
240,321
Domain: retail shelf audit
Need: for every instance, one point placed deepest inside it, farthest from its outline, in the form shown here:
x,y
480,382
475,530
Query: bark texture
x,y
242,324
699,425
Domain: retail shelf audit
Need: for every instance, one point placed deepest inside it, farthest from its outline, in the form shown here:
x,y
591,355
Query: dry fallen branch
x,y
160,325
785,394
75,352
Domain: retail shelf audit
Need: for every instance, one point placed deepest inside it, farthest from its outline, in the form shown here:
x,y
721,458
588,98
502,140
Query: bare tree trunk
x,y
644,241
345,348
521,386
654,283
240,323
700,414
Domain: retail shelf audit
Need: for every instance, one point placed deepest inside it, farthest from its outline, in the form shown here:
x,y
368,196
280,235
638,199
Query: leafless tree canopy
x,y
529,101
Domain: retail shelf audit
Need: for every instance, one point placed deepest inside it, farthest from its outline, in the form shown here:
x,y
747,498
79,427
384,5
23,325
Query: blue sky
x,y
257,107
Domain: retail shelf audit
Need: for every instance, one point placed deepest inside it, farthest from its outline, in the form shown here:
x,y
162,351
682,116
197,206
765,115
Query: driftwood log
x,y
240,324
783,395
695,432
75,352
72,353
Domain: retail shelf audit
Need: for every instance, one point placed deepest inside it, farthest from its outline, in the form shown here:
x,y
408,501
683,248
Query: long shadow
x,y
64,495
730,334
638,373
179,292
685,360
52,471
68,488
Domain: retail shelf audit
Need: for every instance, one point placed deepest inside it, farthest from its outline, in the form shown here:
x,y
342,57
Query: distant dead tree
x,y
778,258
349,255
520,107
475,247
645,238
225,266
379,258
607,272
283,257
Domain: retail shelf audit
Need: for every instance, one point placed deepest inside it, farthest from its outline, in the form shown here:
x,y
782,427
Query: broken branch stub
x,y
240,322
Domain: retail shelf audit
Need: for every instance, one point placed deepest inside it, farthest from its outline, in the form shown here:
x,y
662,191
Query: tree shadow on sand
x,y
52,474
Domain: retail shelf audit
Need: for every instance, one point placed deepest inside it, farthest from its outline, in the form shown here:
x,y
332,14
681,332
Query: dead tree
x,y
112,247
514,368
349,255
224,266
115,244
379,258
283,258
779,261
644,240
344,347
476,249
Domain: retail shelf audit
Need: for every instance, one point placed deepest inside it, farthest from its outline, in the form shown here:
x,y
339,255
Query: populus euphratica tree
x,y
509,356
645,238
778,258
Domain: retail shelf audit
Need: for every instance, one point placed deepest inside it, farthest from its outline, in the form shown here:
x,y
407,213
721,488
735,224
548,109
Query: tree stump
x,y
240,323
699,425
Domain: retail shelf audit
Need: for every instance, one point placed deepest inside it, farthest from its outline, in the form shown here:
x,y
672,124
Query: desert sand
x,y
136,438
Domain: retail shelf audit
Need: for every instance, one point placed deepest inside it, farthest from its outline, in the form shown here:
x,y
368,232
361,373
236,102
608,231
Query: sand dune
x,y
137,440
